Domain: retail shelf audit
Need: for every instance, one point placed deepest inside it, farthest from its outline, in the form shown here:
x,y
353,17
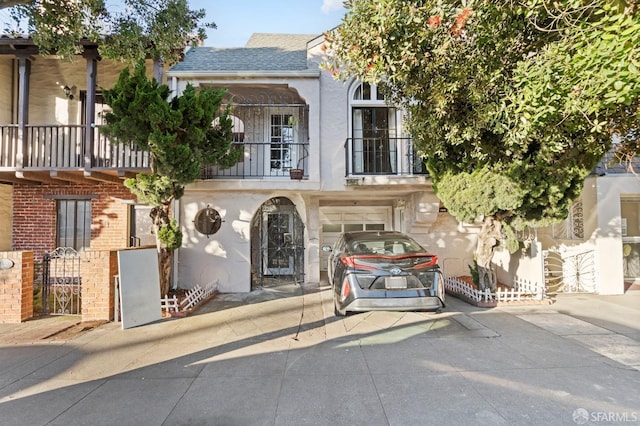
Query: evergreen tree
x,y
127,30
180,135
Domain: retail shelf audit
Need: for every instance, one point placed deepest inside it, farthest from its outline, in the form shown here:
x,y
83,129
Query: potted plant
x,y
297,172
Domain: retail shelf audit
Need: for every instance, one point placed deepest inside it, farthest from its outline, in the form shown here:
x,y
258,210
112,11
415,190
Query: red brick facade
x,y
98,269
34,216
16,291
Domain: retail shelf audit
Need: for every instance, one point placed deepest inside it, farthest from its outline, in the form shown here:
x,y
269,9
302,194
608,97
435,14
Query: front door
x,y
278,244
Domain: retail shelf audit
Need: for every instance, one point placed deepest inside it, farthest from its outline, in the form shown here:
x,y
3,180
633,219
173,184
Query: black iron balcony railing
x,y
65,147
261,160
382,156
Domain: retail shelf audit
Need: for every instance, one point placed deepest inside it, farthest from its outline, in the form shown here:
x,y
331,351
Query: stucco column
x,y
608,243
313,243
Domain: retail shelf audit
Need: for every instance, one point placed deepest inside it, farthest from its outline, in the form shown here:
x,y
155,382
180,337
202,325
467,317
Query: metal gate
x,y
569,272
277,244
61,289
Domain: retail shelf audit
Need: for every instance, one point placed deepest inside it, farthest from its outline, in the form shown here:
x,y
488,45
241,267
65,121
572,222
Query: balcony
x,y
54,153
371,161
261,160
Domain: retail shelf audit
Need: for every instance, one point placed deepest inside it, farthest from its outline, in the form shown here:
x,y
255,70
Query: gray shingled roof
x,y
263,52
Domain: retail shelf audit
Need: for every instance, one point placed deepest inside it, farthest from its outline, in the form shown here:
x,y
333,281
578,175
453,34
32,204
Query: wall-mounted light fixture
x,y
68,92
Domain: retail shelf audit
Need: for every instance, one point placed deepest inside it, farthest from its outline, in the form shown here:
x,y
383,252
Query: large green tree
x,y
512,103
125,29
181,133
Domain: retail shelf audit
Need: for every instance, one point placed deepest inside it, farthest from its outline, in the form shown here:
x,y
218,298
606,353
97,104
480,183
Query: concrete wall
x,y
527,263
608,235
225,257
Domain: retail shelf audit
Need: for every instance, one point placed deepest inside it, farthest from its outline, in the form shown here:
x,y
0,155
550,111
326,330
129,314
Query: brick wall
x,y
97,269
16,288
34,216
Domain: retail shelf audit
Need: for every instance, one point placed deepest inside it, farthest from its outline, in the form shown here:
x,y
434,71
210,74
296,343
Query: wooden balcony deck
x,y
38,153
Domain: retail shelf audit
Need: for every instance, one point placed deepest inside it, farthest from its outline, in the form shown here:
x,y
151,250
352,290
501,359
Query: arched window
x,y
237,127
374,132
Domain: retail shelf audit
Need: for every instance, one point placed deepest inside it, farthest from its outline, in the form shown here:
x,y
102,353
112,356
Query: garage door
x,y
335,220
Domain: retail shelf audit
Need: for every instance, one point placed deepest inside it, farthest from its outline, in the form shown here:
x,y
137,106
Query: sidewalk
x,y
37,330
280,357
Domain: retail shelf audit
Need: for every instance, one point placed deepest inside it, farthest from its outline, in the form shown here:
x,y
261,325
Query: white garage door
x,y
335,220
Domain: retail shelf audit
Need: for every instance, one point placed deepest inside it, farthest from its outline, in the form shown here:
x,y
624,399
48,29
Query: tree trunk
x,y
160,217
165,264
488,239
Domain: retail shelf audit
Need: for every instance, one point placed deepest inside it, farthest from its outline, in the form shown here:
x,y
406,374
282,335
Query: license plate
x,y
395,282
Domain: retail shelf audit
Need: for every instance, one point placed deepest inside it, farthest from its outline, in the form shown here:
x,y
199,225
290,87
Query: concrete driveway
x,y
279,357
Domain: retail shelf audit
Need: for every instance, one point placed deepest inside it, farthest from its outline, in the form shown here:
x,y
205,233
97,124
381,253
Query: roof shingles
x,y
263,52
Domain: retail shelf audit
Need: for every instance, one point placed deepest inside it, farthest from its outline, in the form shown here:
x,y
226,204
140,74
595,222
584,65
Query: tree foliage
x,y
512,103
180,136
127,30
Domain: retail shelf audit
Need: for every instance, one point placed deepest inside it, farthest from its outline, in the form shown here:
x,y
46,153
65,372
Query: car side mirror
x,y
326,249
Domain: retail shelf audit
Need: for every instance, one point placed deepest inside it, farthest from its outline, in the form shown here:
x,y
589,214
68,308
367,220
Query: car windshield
x,y
385,245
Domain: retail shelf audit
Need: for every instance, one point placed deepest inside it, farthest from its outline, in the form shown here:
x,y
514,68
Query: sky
x,y
238,19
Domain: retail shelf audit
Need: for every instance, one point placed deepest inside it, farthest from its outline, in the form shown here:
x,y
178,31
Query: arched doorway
x,y
277,244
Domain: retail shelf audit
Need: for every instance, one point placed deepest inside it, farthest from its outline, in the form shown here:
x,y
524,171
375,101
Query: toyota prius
x,y
383,271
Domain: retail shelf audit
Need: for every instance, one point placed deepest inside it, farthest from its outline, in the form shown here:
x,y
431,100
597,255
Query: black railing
x,y
65,147
263,159
382,156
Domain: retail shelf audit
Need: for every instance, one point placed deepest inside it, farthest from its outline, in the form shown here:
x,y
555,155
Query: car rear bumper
x,y
395,304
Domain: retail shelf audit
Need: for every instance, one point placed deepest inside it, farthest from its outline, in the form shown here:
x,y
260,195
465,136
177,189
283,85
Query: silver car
x,y
383,270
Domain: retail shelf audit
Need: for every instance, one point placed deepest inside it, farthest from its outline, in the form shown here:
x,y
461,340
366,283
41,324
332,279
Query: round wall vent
x,y
208,221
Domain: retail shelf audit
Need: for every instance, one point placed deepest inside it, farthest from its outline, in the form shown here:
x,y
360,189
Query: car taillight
x,y
352,262
428,262
346,289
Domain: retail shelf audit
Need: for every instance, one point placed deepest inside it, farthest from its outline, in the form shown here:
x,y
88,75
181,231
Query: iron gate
x,y
61,283
277,244
569,272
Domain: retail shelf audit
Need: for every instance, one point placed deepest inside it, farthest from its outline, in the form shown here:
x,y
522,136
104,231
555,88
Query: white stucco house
x,y
255,225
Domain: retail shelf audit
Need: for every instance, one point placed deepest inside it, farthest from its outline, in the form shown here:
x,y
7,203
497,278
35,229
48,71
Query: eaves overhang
x,y
244,74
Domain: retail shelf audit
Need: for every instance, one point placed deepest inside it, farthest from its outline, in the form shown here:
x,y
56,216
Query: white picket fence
x,y
521,290
193,297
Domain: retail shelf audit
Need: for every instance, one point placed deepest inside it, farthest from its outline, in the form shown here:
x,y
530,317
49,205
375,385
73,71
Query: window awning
x,y
260,94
